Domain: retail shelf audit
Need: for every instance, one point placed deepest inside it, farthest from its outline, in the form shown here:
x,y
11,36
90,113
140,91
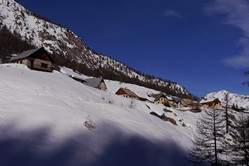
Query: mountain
x,y
242,101
69,50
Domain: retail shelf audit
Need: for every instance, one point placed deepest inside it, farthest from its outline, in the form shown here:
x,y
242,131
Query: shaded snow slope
x,y
43,115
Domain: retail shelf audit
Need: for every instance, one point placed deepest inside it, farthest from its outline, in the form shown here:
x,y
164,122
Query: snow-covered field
x,y
43,119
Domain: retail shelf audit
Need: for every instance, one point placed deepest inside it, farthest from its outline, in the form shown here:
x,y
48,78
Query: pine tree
x,y
208,143
240,149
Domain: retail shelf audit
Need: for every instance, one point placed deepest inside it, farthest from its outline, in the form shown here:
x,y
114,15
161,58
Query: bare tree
x,y
228,113
226,110
209,139
240,149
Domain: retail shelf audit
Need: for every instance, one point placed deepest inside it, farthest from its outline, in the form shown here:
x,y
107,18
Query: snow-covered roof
x,y
169,98
203,101
158,96
94,82
25,54
176,99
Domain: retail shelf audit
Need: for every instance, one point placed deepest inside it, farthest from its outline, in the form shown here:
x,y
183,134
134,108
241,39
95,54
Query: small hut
x,y
160,98
211,103
98,83
125,92
35,59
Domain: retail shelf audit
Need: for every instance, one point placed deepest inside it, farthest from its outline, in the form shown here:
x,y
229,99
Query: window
x,y
44,65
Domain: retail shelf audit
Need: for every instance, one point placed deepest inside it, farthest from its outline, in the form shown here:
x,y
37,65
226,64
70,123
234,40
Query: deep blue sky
x,y
201,44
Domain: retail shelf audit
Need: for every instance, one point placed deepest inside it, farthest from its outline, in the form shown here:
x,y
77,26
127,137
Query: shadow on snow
x,y
29,148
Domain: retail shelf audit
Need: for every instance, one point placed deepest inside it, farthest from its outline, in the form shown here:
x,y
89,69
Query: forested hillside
x,y
26,30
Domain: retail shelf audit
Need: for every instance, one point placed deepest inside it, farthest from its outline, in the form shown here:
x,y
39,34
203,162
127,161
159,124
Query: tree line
x,y
221,137
11,43
109,73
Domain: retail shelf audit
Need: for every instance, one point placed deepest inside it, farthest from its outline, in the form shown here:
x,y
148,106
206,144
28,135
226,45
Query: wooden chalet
x,y
35,59
127,93
160,98
211,103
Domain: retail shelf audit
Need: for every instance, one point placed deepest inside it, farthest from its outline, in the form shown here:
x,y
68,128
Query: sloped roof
x,y
25,54
144,99
186,102
78,79
203,101
129,92
93,82
158,96
176,99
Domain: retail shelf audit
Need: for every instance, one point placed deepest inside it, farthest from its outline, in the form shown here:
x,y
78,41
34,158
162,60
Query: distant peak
x,y
223,91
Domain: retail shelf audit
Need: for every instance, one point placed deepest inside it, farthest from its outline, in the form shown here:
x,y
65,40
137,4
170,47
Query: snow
x,y
113,86
42,117
207,100
236,99
71,73
16,18
59,40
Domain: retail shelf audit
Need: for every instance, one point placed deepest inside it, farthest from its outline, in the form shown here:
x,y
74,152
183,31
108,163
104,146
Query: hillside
x,y
69,50
44,116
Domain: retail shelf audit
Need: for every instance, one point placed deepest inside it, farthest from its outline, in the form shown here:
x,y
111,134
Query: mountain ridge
x,y
69,50
241,101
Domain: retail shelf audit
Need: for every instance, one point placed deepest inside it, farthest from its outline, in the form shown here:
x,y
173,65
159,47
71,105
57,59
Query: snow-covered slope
x,y
63,42
233,99
43,119
37,31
